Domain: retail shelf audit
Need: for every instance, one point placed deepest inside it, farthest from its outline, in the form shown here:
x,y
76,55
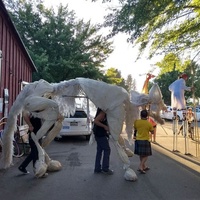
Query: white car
x,y
168,114
76,125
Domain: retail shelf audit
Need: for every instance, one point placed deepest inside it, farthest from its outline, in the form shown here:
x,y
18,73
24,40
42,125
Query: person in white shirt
x,y
177,89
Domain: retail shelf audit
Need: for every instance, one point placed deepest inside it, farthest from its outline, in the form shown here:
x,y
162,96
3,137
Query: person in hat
x,y
190,119
178,89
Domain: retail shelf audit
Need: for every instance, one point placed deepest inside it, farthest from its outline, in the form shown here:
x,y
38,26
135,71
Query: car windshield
x,y
79,114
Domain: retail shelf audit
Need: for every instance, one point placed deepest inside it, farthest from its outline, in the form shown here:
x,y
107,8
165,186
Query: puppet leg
x,y
52,165
50,114
44,163
126,149
115,120
40,166
175,129
53,132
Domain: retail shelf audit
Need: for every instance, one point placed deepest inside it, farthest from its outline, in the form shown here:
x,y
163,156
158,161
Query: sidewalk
x,y
186,151
184,147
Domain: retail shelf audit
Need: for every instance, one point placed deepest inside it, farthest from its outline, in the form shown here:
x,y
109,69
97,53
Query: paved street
x,y
173,175
184,150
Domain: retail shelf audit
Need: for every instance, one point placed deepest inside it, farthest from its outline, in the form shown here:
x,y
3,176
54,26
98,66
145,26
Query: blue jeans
x,y
103,147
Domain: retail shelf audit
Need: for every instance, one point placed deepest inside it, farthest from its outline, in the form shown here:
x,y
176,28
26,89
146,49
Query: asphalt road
x,y
166,180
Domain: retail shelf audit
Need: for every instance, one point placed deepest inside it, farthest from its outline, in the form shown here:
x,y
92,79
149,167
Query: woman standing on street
x,y
101,132
142,128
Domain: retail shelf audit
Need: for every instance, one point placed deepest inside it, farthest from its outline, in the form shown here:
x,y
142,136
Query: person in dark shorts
x,y
101,132
142,128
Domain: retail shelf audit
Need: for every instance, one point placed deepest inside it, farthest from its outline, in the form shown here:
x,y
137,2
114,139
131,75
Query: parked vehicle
x,y
168,114
76,125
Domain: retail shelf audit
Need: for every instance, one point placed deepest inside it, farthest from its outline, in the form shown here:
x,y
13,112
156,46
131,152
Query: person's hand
x,y
106,128
31,128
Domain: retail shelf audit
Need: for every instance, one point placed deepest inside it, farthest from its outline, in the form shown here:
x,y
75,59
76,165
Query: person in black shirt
x,y
34,125
101,132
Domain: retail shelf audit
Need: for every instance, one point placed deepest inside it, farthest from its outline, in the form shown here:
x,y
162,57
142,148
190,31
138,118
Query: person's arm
x,y
134,136
98,120
185,87
152,131
26,116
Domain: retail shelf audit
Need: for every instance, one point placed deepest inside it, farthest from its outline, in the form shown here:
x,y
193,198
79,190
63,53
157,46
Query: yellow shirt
x,y
143,128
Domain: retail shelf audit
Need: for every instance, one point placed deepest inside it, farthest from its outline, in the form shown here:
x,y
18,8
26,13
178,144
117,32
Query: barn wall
x,y
15,64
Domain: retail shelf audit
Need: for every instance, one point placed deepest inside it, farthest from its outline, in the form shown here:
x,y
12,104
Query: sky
x,y
124,55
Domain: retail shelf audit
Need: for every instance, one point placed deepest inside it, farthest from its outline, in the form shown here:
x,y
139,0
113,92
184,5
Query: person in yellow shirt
x,y
142,127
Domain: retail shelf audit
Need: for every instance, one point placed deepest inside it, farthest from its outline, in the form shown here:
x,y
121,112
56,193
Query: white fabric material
x,y
138,99
40,166
103,95
132,113
92,139
177,89
115,120
112,99
154,99
122,154
38,88
130,175
64,94
157,104
45,109
53,132
52,165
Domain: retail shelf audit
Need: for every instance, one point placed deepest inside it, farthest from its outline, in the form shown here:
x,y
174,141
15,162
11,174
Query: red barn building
x,y
16,65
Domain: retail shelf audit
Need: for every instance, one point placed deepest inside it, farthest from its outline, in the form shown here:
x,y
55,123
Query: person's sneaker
x,y
23,170
108,172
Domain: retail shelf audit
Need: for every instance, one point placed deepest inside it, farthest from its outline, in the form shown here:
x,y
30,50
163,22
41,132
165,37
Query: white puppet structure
x,y
114,100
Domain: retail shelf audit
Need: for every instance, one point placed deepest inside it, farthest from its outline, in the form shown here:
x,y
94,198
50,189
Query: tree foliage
x,y
172,62
165,79
61,46
165,26
114,76
131,83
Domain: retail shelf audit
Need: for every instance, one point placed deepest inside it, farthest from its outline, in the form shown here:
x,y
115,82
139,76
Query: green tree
x,y
165,26
172,62
61,46
130,83
165,79
113,76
